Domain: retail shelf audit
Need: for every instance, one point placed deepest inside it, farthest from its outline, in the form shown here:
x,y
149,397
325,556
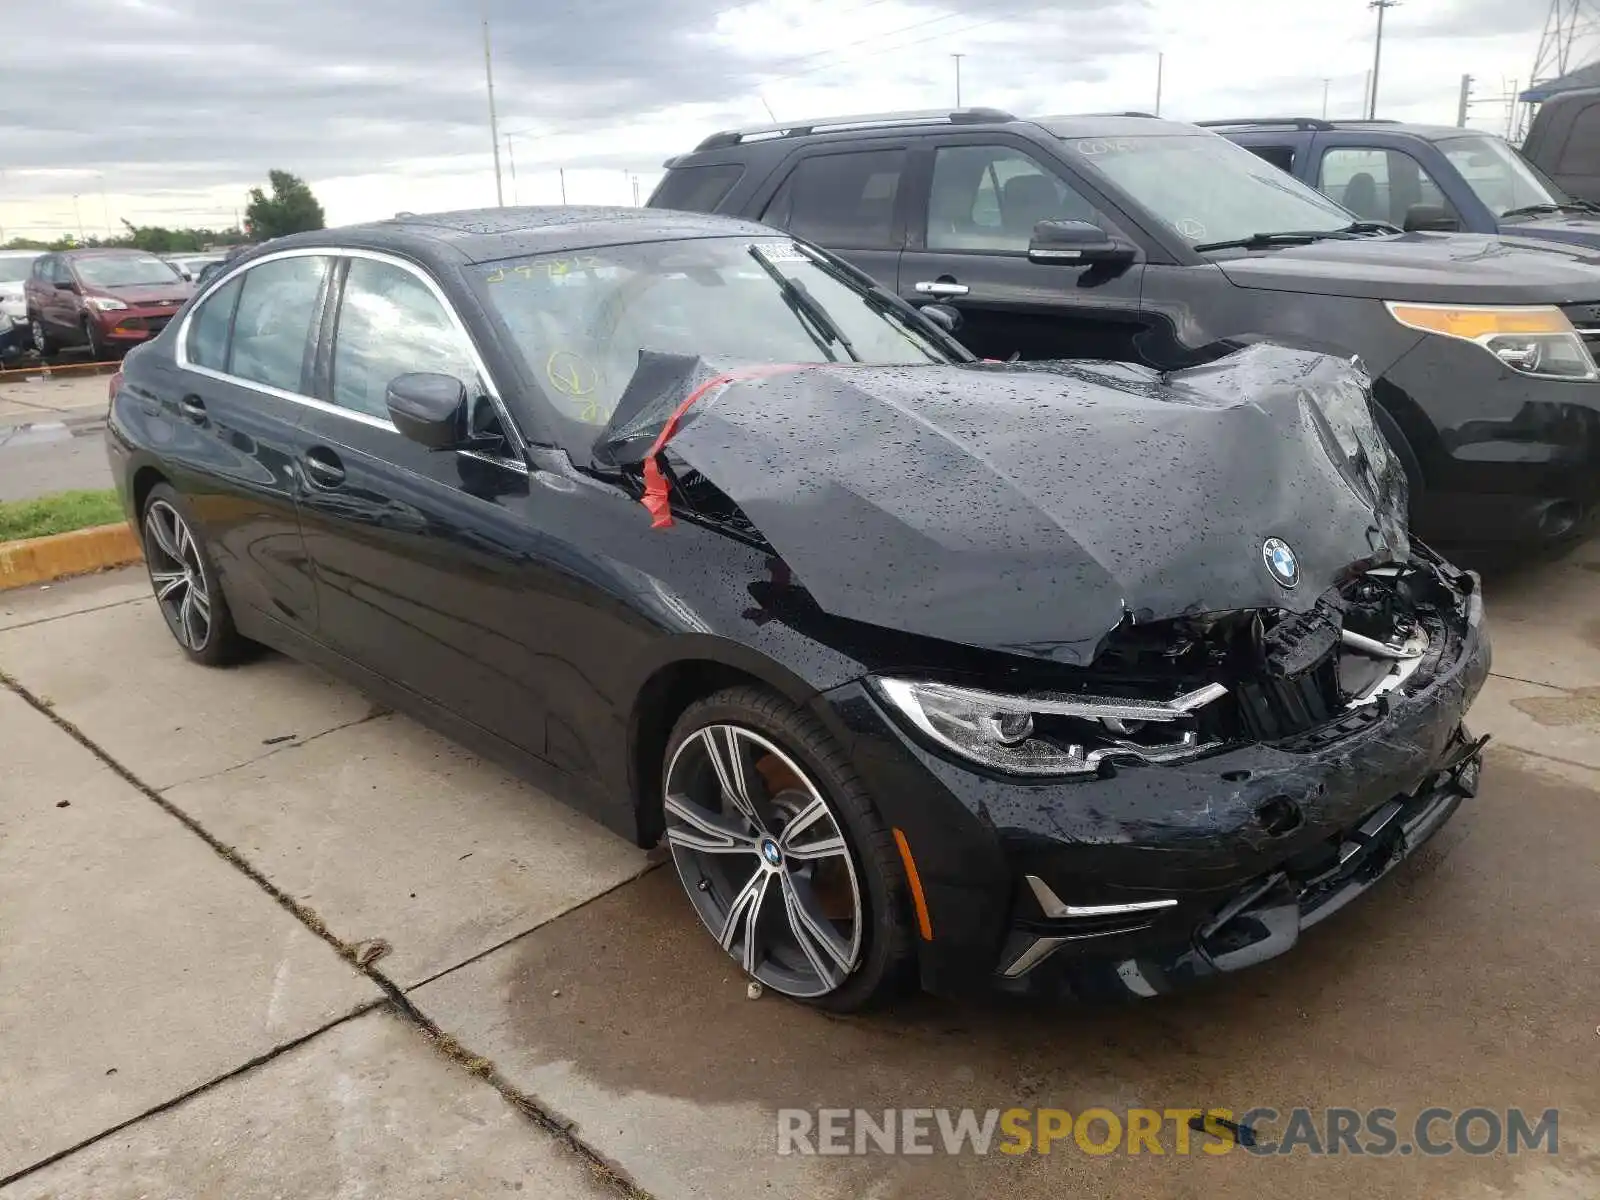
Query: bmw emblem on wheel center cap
x,y
770,852
1281,562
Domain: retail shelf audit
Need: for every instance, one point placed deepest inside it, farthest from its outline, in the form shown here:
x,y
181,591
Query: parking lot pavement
x,y
50,435
137,965
594,997
366,1109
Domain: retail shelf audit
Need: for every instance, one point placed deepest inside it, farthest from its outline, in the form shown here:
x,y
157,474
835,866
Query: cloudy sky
x,y
166,111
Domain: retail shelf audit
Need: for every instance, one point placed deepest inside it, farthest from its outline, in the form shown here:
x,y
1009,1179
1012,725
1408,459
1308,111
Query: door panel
x,y
236,431
417,555
968,249
417,552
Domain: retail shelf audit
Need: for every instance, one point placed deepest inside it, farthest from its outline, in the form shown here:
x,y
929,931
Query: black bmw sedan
x,y
1068,678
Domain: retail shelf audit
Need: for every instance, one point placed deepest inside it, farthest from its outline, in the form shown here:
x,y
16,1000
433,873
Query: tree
x,y
290,209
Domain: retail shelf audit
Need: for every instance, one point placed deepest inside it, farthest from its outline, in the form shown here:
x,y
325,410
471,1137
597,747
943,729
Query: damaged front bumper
x,y
1155,877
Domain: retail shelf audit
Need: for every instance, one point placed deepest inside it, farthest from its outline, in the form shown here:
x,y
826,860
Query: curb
x,y
42,559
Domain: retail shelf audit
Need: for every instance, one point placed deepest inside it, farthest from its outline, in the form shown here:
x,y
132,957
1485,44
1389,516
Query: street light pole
x,y
1325,84
1377,56
494,122
1161,62
958,58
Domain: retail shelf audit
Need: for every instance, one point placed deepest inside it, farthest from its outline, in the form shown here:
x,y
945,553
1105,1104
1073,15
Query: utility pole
x,y
1377,55
1466,99
958,58
512,159
1325,85
562,171
78,216
494,122
1161,60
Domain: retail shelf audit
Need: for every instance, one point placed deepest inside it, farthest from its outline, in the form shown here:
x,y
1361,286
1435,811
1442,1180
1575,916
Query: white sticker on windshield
x,y
781,252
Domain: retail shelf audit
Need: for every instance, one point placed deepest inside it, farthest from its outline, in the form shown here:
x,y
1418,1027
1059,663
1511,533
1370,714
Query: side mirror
x,y
66,285
942,315
1430,218
429,408
1076,244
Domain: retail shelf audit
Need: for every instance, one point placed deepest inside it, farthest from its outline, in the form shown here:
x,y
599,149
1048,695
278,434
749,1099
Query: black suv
x,y
1128,237
1420,176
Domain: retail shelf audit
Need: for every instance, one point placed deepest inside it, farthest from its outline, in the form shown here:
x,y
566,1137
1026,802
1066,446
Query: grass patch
x,y
60,513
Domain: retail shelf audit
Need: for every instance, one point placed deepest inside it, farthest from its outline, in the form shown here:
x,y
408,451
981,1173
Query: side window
x,y
842,201
696,189
991,197
44,269
1281,157
208,330
1379,185
390,323
60,272
1582,148
272,325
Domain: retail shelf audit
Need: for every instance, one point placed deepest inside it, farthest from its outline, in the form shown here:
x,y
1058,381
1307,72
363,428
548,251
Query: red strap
x,y
655,481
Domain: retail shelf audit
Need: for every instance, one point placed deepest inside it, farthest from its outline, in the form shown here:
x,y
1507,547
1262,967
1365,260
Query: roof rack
x,y
1292,122
800,128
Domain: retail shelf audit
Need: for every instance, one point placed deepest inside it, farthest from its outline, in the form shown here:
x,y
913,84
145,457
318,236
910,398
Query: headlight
x,y
1051,734
1534,340
103,303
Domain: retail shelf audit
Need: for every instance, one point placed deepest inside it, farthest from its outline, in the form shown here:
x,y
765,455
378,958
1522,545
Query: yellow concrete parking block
x,y
42,559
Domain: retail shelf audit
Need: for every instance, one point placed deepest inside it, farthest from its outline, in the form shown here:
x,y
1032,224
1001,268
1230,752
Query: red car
x,y
107,300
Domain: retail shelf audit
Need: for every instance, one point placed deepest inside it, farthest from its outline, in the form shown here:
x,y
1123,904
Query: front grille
x,y
1275,709
1585,319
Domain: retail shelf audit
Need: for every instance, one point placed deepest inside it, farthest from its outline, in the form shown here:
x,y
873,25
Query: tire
x,y
92,339
43,343
801,868
177,560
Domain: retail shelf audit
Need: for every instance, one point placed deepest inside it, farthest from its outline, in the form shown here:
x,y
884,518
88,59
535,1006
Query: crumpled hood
x,y
1028,508
1441,268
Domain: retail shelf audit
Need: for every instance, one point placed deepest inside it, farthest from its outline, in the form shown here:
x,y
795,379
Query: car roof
x,y
487,234
1432,133
1119,125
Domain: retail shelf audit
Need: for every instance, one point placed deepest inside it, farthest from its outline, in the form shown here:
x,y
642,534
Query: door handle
x,y
194,408
942,287
324,467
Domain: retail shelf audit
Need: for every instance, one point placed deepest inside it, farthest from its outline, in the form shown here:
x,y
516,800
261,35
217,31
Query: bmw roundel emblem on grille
x,y
1281,562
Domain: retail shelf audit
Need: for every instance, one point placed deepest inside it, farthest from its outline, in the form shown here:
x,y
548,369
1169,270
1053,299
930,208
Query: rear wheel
x,y
782,853
185,582
42,341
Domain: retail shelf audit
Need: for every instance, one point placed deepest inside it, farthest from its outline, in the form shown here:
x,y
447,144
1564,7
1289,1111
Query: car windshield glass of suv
x,y
1207,188
1499,176
125,270
580,320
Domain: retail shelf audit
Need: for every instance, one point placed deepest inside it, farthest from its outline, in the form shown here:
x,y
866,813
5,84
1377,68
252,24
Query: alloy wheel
x,y
40,342
177,575
764,859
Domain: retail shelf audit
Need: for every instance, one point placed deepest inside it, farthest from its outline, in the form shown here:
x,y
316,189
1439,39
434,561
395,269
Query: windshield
x,y
14,268
1207,188
1498,174
580,320
125,270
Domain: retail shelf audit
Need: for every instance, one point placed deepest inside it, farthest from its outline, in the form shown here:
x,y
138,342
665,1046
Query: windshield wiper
x,y
1528,210
805,306
1371,227
1261,241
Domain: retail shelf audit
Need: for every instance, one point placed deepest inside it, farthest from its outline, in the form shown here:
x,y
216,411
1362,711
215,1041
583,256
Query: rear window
x,y
696,189
841,200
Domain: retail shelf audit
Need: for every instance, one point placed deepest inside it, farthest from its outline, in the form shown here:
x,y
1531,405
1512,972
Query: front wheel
x,y
93,339
782,853
185,582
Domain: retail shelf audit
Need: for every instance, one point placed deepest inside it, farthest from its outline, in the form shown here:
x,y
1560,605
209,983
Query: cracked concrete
x,y
184,945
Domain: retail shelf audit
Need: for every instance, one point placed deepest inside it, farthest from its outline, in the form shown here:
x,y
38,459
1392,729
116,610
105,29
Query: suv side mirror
x,y
942,315
1430,218
1076,244
66,285
429,408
